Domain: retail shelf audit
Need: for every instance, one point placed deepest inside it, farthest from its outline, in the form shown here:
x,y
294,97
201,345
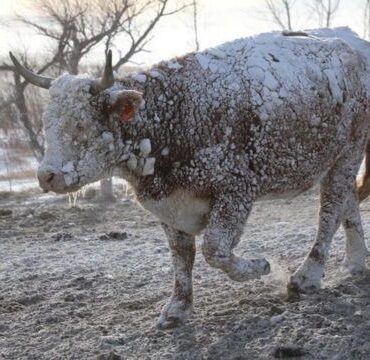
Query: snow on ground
x,y
18,185
89,282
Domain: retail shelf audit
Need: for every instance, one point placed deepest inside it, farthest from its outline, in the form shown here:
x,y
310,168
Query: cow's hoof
x,y
166,322
355,268
174,314
307,279
243,269
300,284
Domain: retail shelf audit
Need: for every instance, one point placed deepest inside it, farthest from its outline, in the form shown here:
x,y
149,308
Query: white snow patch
x,y
203,60
174,65
165,151
156,74
141,78
148,166
217,53
145,147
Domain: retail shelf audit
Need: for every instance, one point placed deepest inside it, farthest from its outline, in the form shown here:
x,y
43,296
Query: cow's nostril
x,y
50,177
51,180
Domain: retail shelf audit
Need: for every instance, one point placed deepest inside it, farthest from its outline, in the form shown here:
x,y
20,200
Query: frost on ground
x,y
89,282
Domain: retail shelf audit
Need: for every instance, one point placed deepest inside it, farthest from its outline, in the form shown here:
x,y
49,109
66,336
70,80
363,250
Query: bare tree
x,y
325,11
16,90
281,11
75,28
194,6
367,19
81,25
15,108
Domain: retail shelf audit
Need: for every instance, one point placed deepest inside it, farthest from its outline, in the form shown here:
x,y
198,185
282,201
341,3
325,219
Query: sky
x,y
219,21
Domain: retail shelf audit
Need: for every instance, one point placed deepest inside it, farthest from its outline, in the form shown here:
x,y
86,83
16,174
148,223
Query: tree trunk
x,y
287,11
20,102
195,25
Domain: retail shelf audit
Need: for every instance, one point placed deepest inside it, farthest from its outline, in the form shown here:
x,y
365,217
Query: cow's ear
x,y
125,103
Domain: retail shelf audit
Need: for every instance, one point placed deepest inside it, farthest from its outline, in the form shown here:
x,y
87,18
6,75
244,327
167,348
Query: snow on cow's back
x,y
361,46
274,50
350,37
271,70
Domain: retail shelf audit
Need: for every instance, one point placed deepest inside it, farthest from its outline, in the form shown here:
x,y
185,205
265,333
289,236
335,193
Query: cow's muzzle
x,y
51,180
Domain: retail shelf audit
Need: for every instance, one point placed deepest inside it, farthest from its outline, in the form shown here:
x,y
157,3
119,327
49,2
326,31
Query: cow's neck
x,y
150,153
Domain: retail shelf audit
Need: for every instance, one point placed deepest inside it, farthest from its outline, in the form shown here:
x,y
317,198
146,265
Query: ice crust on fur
x,y
264,116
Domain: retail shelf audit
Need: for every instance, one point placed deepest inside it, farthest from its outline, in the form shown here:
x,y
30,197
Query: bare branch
x,y
325,11
194,5
136,43
6,67
281,12
75,27
367,20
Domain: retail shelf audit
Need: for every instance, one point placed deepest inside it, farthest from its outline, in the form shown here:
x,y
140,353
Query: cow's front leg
x,y
180,305
334,191
228,216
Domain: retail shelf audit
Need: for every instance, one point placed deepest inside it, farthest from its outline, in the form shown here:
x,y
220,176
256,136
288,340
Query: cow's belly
x,y
181,210
291,188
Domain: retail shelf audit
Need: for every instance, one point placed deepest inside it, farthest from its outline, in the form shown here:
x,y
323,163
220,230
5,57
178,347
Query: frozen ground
x,y
89,283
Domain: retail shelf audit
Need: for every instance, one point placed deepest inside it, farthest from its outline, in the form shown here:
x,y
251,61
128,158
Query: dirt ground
x,y
89,283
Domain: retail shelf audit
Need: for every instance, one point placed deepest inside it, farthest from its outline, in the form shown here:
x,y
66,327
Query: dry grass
x,y
5,195
18,175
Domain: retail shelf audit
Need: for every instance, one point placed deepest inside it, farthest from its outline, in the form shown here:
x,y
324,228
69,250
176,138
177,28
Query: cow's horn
x,y
108,78
38,80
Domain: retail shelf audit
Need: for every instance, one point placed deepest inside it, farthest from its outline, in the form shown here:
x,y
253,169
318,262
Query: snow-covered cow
x,y
203,136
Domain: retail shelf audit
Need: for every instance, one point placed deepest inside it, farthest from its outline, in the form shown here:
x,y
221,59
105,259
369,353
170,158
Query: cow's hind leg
x,y
336,187
364,183
180,305
228,216
356,250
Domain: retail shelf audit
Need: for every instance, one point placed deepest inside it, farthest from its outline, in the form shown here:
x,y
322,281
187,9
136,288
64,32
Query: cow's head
x,y
82,124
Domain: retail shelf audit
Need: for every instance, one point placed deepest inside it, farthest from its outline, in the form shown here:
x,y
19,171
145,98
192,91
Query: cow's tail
x,y
363,183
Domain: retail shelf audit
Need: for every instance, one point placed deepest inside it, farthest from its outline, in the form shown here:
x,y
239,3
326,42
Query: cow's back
x,y
290,104
271,71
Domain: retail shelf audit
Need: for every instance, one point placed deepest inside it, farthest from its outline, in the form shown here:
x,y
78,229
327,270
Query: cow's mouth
x,y
56,182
